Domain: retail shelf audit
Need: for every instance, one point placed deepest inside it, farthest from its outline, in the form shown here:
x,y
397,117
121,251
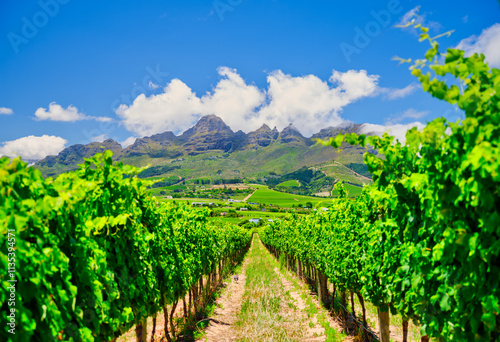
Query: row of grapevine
x,y
89,254
424,239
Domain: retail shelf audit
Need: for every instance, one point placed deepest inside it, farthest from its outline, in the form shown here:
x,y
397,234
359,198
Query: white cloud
x,y
307,101
127,142
99,118
414,16
311,103
393,93
176,109
410,113
398,130
233,100
100,138
6,111
153,85
487,43
33,147
56,112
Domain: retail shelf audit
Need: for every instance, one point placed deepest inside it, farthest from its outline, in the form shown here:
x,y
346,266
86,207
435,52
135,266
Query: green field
x,y
190,200
267,196
341,172
262,214
246,215
290,183
352,190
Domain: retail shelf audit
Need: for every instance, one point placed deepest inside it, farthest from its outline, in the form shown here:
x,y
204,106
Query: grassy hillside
x,y
289,183
342,172
352,190
268,196
212,153
255,164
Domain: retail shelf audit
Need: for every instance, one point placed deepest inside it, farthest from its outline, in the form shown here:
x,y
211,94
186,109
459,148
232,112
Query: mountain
x,y
209,133
211,149
262,137
162,144
292,134
69,158
329,132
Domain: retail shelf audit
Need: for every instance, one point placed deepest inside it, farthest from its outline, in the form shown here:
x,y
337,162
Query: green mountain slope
x,y
210,149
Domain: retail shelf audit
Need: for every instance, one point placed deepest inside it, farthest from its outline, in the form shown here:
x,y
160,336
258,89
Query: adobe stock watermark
x,y
107,127
31,26
222,6
363,36
11,280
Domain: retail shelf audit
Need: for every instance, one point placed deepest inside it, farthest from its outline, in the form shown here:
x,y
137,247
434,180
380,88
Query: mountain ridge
x,y
210,135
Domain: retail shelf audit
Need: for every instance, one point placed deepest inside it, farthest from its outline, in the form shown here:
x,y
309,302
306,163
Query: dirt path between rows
x,y
311,334
300,313
228,306
299,295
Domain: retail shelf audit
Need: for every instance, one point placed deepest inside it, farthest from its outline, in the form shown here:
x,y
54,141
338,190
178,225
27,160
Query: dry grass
x,y
268,312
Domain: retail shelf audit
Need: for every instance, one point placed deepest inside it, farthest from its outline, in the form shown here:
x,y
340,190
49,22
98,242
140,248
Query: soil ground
x,y
266,302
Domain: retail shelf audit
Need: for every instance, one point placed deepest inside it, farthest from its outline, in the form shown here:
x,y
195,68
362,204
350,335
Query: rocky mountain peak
x,y
262,137
263,128
330,132
291,133
209,133
207,124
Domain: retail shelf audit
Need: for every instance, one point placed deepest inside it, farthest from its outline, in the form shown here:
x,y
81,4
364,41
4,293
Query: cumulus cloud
x,y
394,93
127,142
306,101
410,113
488,43
33,147
311,103
397,130
6,111
233,100
56,112
176,109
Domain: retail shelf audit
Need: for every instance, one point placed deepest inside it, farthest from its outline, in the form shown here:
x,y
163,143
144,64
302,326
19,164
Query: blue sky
x,y
74,71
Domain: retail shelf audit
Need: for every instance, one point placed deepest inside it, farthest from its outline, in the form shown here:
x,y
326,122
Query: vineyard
x,y
424,240
90,254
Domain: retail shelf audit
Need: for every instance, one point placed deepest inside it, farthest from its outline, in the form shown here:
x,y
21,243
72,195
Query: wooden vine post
x,y
362,302
298,268
141,331
322,287
383,323
154,328
405,330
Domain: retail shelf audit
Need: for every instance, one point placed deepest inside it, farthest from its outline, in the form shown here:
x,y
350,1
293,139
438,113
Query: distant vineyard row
x,y
424,239
90,254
